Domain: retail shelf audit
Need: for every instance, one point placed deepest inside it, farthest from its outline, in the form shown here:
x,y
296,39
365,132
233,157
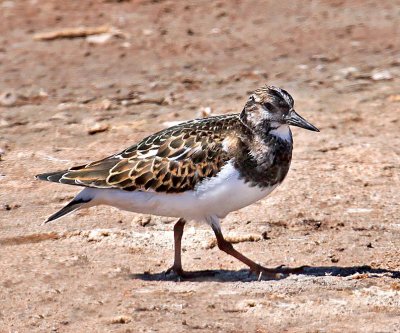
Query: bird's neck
x,y
281,131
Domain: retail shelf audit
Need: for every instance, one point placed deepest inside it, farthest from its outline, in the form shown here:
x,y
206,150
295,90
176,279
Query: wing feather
x,y
172,160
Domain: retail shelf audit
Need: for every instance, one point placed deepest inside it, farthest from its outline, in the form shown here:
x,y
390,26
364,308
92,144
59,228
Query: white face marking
x,y
285,96
283,132
288,100
256,98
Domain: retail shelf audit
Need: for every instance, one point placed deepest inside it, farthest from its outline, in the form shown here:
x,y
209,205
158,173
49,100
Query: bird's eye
x,y
252,99
268,106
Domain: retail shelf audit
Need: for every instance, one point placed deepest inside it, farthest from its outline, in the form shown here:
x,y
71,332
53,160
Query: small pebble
x,y
99,39
8,98
380,75
98,128
120,320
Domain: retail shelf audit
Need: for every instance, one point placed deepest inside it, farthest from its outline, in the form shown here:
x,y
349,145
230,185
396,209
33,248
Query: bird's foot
x,y
276,273
179,272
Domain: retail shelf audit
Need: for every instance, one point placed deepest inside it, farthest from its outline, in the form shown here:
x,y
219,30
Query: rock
x,y
103,105
395,62
264,235
334,260
380,75
11,206
348,71
99,39
358,210
126,45
98,128
70,106
204,112
147,32
120,320
215,31
104,85
167,220
394,98
302,66
142,220
8,98
323,58
97,235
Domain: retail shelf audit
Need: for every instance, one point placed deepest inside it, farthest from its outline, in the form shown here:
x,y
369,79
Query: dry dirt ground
x,y
338,211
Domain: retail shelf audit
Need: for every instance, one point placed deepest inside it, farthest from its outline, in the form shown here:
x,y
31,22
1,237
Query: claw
x,y
169,270
287,270
177,270
181,274
276,273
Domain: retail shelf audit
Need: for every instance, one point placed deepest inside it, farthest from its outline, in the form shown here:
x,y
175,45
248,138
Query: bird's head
x,y
269,108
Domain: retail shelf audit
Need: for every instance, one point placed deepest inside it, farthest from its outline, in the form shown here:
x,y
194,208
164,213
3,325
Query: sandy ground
x,y
100,270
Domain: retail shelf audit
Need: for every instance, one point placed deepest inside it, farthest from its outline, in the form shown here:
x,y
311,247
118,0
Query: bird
x,y
199,170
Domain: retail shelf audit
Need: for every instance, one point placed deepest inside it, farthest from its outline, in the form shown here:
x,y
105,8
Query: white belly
x,y
217,196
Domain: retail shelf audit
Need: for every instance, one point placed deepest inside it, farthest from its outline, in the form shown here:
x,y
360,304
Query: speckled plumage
x,y
177,159
201,169
173,160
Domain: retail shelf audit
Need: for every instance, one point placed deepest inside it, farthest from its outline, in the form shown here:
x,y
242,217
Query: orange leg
x,y
178,233
271,273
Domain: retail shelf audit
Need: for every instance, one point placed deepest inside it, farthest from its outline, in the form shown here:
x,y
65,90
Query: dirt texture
x,y
70,99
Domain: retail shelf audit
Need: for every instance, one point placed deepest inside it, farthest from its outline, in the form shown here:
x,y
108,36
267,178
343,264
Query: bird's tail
x,y
74,205
84,199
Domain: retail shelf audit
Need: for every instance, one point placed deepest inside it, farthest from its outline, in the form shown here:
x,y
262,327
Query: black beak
x,y
296,120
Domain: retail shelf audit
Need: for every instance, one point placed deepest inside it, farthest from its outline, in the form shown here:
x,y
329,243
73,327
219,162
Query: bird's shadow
x,y
243,275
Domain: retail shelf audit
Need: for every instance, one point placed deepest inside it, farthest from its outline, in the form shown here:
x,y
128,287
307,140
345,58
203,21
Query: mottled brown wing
x,y
173,160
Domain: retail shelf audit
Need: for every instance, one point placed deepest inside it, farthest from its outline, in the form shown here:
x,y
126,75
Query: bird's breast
x,y
267,164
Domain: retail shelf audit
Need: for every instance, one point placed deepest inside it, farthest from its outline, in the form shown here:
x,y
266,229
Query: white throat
x,y
283,132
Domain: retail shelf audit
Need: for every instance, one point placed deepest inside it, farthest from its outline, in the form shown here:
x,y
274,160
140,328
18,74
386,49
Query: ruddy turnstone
x,y
198,170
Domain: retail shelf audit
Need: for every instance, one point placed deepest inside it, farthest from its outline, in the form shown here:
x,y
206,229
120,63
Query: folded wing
x,y
173,160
